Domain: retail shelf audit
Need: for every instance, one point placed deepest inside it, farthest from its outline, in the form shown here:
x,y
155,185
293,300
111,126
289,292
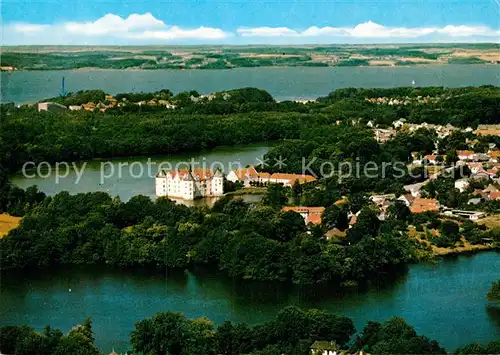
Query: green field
x,y
227,57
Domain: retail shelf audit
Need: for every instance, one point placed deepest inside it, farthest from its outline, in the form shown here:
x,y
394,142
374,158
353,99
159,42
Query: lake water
x,y
282,83
443,301
127,177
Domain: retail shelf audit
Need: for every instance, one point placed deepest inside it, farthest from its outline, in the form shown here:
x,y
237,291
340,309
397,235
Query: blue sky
x,y
248,21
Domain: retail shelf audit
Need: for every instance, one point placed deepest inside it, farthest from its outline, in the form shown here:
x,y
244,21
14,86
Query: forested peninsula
x,y
244,241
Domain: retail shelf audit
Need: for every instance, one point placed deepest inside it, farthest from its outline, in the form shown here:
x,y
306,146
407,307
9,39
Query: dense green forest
x,y
248,115
95,228
250,242
292,332
259,243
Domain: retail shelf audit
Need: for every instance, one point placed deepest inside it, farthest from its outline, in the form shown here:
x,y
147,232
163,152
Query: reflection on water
x,y
430,297
121,176
493,311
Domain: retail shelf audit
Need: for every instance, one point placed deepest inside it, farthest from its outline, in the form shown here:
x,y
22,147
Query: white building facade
x,y
189,184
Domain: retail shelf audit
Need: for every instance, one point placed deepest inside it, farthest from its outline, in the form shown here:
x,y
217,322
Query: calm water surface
x,y
122,177
282,83
444,301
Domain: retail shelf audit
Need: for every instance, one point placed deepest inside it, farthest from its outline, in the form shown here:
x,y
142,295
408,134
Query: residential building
x,y
248,175
472,215
475,167
414,189
474,201
462,184
407,199
481,175
487,130
290,179
51,107
310,214
382,200
189,184
245,176
324,348
321,347
494,195
481,157
75,107
434,159
494,156
420,205
90,106
383,135
466,155
399,123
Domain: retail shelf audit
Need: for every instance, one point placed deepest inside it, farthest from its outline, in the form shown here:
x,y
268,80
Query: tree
x,y
335,217
399,211
395,336
331,327
234,338
451,157
288,225
450,230
275,196
296,192
488,349
367,225
494,292
159,335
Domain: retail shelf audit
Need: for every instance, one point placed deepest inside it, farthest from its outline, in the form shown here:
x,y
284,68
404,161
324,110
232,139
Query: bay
x,y
444,301
284,83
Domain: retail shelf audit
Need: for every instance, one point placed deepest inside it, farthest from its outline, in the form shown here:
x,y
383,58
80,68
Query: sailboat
x,y
413,82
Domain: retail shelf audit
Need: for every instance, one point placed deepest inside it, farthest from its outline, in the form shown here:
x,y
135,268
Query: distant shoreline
x,y
417,65
229,57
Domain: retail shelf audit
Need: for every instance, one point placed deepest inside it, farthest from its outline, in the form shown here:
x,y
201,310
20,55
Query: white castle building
x,y
189,184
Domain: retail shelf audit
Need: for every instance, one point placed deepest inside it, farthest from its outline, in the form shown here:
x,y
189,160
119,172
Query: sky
x,y
167,22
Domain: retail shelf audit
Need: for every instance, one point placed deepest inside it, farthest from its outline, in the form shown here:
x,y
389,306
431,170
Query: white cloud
x,y
111,23
460,31
110,28
29,28
145,28
267,32
206,33
370,30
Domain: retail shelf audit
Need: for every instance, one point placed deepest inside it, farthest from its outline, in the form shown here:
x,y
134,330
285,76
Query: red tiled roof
x,y
314,218
420,205
495,195
465,152
293,177
201,173
341,201
313,213
242,173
